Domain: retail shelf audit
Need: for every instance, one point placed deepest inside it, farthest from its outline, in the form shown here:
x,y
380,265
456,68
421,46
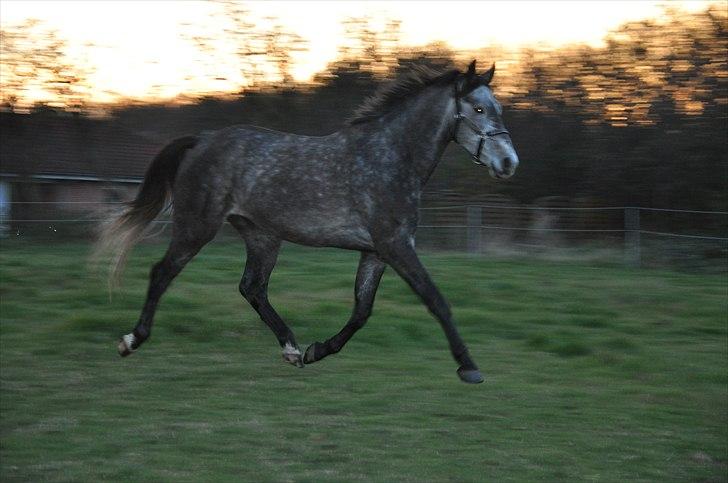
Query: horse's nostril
x,y
506,164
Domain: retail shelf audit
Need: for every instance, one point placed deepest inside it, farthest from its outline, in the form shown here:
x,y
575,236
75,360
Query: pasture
x,y
593,372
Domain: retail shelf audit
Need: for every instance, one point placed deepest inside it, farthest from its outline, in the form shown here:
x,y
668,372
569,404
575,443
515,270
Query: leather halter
x,y
459,116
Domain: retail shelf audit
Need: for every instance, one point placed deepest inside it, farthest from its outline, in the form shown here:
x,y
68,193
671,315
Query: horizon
x,y
161,62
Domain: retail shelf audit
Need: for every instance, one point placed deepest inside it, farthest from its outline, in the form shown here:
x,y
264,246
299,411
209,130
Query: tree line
x,y
640,121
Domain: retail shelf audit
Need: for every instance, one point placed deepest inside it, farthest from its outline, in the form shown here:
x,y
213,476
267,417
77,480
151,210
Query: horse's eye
x,y
478,109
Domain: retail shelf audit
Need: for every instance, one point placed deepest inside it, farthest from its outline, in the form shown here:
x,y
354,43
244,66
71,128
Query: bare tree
x,y
260,52
280,46
35,67
370,49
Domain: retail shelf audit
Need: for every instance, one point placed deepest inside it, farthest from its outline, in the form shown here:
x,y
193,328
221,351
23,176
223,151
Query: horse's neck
x,y
424,131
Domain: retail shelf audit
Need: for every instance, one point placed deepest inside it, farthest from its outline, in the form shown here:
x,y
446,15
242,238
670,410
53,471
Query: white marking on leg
x,y
290,350
129,341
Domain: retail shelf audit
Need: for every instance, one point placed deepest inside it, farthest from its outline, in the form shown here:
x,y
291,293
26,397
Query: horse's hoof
x,y
471,376
310,356
292,355
126,344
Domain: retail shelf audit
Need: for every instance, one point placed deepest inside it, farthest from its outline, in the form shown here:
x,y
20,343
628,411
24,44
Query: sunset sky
x,y
139,45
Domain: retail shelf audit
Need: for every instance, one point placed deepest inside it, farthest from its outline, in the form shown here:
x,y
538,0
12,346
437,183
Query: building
x,y
56,166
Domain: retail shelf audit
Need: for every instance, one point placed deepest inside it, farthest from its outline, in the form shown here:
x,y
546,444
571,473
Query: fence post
x,y
474,222
632,255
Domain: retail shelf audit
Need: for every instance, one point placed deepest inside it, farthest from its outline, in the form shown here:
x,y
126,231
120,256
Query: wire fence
x,y
639,236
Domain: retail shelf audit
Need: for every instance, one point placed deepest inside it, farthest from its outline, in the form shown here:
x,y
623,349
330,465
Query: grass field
x,y
592,373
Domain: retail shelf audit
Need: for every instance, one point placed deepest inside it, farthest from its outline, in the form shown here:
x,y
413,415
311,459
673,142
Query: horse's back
x,y
295,186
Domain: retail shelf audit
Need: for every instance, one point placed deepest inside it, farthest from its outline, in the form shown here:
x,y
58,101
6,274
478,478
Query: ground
x,y
593,372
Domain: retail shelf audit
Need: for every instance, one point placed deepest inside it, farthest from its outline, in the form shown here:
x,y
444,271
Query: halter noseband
x,y
459,116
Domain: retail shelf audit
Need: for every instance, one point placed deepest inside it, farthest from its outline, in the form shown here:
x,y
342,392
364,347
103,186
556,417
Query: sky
x,y
139,45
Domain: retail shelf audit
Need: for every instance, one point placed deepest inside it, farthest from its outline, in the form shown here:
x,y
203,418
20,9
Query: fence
x,y
560,227
638,235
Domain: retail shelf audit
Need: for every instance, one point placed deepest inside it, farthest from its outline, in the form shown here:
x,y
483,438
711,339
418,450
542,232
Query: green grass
x,y
592,373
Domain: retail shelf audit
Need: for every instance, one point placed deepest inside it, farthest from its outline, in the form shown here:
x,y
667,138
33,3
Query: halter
x,y
459,116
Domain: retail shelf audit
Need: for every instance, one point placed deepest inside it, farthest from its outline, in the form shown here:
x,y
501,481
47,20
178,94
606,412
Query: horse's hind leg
x,y
184,246
262,253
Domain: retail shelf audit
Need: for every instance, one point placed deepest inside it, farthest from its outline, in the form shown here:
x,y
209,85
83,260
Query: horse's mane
x,y
404,86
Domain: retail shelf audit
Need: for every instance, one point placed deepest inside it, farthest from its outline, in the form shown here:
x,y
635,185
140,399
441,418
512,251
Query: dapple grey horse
x,y
358,188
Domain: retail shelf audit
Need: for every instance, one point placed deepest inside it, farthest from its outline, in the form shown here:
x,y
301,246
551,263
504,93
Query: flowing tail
x,y
124,228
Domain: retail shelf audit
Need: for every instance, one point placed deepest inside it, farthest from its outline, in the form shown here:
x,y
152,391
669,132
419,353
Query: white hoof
x,y
292,355
126,345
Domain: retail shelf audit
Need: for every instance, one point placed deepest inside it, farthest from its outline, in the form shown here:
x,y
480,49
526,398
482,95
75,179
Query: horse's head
x,y
479,128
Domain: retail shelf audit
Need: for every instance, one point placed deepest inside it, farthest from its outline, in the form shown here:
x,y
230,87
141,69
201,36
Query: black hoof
x,y
471,376
315,352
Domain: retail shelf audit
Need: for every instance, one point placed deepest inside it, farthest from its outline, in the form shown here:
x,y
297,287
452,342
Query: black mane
x,y
405,85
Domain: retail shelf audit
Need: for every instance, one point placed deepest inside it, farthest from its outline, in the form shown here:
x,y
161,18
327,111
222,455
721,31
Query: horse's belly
x,y
314,229
329,235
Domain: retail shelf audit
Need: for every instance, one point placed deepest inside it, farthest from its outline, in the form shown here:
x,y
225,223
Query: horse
x,y
358,188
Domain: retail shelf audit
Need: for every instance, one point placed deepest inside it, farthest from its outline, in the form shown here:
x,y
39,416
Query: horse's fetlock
x,y
140,334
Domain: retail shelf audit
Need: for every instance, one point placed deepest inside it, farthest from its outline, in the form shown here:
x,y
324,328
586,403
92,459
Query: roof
x,y
49,146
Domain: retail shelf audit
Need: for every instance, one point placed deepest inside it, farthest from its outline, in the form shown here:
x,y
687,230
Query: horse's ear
x,y
471,70
468,81
487,76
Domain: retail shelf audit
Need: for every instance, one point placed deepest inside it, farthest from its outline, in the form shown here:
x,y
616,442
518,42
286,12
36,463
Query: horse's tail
x,y
124,228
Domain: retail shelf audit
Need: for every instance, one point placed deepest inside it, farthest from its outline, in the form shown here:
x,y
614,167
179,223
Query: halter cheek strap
x,y
459,116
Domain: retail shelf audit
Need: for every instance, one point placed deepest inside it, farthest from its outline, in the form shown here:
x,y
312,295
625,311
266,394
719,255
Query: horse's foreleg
x,y
402,257
368,276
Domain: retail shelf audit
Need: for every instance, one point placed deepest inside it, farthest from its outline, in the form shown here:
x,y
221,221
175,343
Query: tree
x,y
35,68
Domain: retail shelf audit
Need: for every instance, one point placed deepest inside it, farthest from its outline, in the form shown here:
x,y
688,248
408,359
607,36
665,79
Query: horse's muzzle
x,y
506,168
